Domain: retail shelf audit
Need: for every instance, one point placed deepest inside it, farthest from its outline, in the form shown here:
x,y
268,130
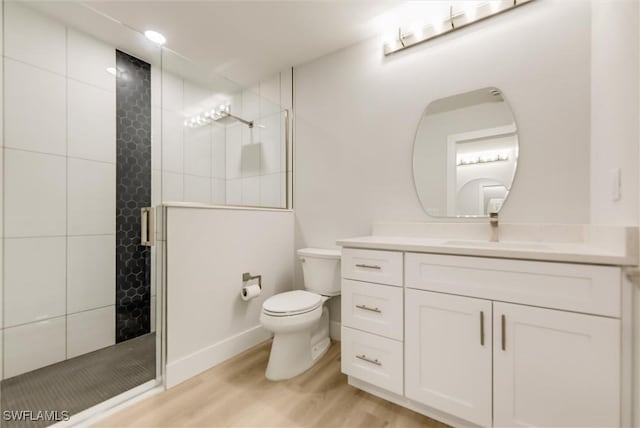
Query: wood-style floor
x,y
236,394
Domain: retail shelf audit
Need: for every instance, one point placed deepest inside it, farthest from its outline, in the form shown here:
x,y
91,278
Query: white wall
x,y
59,218
208,250
357,113
615,83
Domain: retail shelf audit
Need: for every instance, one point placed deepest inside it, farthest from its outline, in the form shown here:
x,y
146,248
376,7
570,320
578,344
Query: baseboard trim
x,y
335,330
199,361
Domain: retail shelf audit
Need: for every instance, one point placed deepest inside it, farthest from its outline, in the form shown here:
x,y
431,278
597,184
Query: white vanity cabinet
x,y
488,341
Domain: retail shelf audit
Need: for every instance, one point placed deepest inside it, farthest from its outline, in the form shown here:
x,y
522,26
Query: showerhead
x,y
227,118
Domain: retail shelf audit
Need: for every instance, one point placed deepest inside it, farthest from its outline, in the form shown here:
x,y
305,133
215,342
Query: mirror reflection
x,y
465,154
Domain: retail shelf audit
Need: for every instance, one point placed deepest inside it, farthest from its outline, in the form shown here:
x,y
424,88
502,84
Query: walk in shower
x,y
101,128
79,323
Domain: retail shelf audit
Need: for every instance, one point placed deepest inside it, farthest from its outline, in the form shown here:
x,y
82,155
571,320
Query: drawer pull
x,y
369,266
503,322
368,360
481,328
367,308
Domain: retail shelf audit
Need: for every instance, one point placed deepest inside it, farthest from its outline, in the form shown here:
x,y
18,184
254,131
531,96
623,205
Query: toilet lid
x,y
291,302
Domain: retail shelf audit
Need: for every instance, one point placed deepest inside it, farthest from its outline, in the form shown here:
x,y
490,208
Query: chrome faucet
x,y
493,221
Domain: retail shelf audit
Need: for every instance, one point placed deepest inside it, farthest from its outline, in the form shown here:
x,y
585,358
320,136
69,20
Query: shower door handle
x,y
147,227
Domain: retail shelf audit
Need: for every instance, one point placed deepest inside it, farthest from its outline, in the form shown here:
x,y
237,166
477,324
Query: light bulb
x,y
155,37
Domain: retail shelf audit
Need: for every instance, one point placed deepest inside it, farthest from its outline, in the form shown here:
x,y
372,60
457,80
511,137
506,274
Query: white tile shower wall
x,y
34,39
197,151
242,166
197,189
207,322
189,155
33,181
357,113
34,345
91,130
35,279
59,190
88,59
90,272
86,330
91,206
256,162
30,90
172,141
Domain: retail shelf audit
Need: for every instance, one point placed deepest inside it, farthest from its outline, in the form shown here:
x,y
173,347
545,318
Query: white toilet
x,y
298,318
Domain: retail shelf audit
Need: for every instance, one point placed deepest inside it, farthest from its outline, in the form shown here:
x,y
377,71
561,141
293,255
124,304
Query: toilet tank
x,y
321,270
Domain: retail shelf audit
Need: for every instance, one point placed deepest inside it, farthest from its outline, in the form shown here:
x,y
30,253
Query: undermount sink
x,y
497,245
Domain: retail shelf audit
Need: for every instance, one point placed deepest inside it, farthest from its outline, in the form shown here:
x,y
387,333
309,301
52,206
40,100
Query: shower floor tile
x,y
81,382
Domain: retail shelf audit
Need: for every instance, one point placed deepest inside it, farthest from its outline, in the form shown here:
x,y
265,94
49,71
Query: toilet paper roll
x,y
248,292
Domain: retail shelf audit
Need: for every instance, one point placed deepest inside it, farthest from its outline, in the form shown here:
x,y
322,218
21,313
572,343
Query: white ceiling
x,y
245,40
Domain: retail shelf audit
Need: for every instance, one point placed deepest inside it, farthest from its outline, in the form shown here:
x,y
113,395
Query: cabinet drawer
x,y
383,267
373,359
373,308
573,287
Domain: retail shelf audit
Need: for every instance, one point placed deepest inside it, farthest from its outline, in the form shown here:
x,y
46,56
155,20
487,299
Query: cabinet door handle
x,y
481,328
368,266
367,308
363,357
503,322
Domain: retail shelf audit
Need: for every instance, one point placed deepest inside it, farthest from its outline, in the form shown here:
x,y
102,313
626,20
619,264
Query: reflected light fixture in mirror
x,y
461,14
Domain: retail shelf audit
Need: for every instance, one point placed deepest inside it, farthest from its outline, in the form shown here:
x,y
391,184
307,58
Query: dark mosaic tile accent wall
x,y
133,191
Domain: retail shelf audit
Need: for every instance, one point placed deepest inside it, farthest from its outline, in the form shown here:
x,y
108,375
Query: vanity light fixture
x,y
408,37
482,158
155,37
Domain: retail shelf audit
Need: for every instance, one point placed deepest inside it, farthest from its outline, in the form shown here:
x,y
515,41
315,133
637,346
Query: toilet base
x,y
293,353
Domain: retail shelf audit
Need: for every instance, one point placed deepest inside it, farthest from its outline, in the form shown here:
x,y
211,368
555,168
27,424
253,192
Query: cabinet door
x,y
555,368
448,354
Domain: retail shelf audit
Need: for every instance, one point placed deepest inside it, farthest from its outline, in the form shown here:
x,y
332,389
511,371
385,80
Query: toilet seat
x,y
291,303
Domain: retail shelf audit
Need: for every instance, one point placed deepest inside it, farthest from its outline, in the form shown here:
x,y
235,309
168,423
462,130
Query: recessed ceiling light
x,y
155,37
112,70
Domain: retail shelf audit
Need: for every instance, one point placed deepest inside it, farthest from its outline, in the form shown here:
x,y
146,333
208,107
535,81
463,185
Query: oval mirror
x,y
465,154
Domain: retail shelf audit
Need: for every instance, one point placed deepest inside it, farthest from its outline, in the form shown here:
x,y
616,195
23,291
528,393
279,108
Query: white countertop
x,y
573,252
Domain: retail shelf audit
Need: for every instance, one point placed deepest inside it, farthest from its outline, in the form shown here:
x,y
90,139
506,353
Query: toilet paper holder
x,y
248,277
